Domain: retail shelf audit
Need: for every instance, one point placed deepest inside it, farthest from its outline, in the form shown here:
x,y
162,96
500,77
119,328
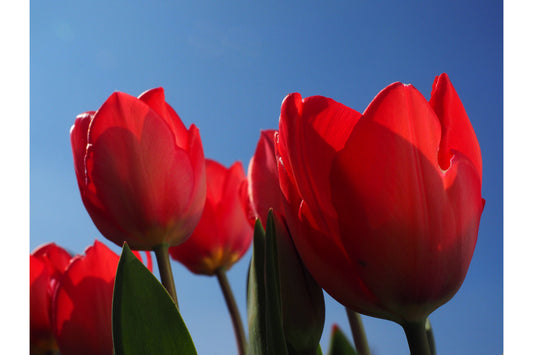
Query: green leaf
x,y
276,343
256,295
265,325
145,319
339,343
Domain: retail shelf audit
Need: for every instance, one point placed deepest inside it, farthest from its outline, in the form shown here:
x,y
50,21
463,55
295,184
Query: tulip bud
x,y
302,300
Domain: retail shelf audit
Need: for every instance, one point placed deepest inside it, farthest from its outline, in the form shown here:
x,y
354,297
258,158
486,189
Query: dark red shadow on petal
x,y
84,317
409,228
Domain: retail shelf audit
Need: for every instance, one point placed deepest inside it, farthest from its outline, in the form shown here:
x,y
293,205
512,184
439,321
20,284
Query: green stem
x,y
431,337
358,332
417,337
165,271
233,310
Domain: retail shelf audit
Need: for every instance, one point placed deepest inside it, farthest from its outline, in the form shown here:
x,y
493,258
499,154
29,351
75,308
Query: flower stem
x,y
165,271
417,337
358,332
431,337
233,310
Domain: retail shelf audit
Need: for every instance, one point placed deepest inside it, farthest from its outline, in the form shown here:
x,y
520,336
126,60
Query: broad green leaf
x,y
339,343
265,325
145,319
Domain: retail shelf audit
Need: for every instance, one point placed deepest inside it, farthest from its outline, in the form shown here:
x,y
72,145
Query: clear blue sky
x,y
226,68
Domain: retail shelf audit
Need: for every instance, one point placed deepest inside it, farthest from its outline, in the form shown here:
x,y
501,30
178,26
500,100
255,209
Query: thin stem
x,y
431,337
358,332
165,271
417,337
233,310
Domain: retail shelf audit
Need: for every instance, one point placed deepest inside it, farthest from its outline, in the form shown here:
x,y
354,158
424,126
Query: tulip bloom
x,y
69,299
82,303
223,234
47,264
141,173
389,201
302,300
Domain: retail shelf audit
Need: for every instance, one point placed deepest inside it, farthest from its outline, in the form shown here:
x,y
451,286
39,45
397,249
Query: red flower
x,y
141,173
69,294
389,201
82,303
47,264
223,234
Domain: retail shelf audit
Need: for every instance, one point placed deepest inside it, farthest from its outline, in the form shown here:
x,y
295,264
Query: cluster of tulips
x,y
380,209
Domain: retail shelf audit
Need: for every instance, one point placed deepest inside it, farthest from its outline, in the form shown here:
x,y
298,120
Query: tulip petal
x,y
403,110
82,303
120,110
235,219
463,190
56,258
217,180
263,180
40,327
457,131
313,130
78,140
198,192
155,98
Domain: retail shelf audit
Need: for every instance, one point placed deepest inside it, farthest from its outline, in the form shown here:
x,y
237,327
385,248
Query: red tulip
x,y
389,202
64,292
223,234
82,303
47,264
302,300
141,173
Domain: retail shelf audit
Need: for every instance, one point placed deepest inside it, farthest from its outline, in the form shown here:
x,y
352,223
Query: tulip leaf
x,y
275,337
265,324
256,295
339,343
145,318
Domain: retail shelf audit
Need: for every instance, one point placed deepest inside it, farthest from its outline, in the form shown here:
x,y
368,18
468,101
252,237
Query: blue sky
x,y
226,68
